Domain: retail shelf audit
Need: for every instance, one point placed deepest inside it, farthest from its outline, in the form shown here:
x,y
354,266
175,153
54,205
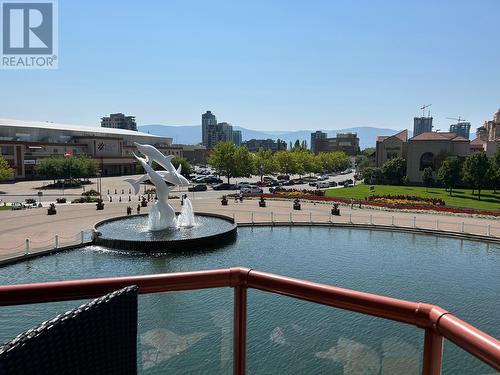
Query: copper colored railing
x,y
437,323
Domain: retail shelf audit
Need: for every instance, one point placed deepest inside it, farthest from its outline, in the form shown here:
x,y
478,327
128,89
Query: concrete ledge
x,y
386,228
169,246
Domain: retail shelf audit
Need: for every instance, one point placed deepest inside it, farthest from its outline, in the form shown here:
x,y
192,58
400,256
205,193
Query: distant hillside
x,y
191,134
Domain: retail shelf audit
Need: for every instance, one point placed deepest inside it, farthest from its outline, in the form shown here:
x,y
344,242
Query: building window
x,y
427,160
391,155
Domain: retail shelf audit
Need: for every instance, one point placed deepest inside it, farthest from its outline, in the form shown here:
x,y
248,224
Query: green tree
x,y
50,168
362,161
243,160
495,170
450,172
372,175
296,145
222,159
58,167
186,168
427,178
476,171
286,162
394,170
334,161
264,163
6,171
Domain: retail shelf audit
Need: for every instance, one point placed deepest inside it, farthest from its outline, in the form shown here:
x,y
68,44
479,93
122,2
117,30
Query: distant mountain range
x,y
191,134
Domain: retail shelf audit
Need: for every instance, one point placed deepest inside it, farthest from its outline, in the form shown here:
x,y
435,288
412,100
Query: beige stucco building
x,y
388,147
488,136
430,149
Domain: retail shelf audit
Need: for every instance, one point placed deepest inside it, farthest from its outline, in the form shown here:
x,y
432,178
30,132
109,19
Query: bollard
x,y
371,219
27,247
437,224
414,221
272,217
350,218
463,224
310,217
392,220
291,221
233,217
81,235
330,218
57,241
488,230
252,217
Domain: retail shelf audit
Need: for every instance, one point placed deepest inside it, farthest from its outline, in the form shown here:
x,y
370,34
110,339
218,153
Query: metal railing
x,y
32,246
385,221
436,322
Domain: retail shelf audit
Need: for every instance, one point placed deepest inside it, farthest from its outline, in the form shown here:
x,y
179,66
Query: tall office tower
x,y
226,130
314,137
461,128
119,121
422,125
237,137
208,119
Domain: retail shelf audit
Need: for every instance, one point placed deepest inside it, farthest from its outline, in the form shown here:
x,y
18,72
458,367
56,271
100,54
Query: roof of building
x,y
476,142
82,128
402,135
439,136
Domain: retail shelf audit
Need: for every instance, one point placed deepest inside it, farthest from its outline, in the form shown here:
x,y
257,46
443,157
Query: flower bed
x,y
406,200
413,207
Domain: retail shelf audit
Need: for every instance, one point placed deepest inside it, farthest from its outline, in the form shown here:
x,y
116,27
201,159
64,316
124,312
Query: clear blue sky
x,y
267,65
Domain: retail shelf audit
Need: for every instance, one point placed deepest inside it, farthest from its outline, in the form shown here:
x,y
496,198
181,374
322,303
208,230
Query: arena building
x,y
24,143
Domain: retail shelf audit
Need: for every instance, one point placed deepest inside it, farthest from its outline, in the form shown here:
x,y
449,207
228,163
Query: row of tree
x,y
232,161
6,171
477,171
58,167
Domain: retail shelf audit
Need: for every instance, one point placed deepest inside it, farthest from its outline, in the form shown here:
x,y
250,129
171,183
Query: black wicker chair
x,y
99,337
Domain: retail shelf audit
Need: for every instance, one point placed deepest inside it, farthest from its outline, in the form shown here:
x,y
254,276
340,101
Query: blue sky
x,y
267,65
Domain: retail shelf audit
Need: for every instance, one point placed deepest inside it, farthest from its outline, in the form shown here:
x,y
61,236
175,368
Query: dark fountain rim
x,y
168,246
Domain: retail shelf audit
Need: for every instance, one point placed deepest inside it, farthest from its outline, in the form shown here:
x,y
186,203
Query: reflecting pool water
x,y
191,332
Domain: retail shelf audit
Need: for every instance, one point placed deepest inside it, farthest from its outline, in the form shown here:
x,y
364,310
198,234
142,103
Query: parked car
x,y
348,185
261,183
209,180
199,187
243,184
332,183
283,177
225,186
251,189
268,178
273,183
286,182
323,177
312,183
322,185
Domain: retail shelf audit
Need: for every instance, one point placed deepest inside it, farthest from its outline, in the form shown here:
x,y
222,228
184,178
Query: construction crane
x,y
459,119
423,109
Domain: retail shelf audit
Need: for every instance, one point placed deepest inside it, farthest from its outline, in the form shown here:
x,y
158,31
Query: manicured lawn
x,y
460,198
2,207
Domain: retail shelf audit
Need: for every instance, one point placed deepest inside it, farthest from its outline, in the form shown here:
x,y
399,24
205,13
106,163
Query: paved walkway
x,y
71,219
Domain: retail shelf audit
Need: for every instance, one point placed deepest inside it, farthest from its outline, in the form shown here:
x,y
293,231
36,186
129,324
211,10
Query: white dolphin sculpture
x,y
161,215
152,154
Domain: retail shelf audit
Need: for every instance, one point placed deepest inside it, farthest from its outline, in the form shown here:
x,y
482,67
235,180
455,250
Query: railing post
x,y
27,251
392,220
57,241
488,230
240,330
463,225
252,217
414,221
433,353
81,235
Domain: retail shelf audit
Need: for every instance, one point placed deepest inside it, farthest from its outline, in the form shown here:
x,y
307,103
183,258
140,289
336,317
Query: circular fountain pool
x,y
132,233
